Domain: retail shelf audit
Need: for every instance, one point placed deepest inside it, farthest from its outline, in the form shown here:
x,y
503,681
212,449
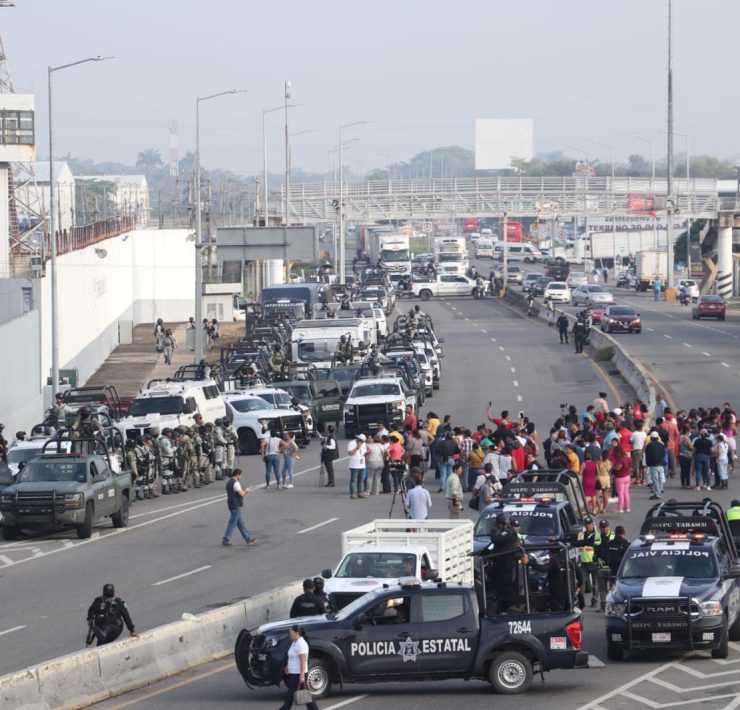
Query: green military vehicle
x,y
324,397
70,485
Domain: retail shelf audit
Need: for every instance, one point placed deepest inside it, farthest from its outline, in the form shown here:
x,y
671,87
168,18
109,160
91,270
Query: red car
x,y
620,319
709,307
597,312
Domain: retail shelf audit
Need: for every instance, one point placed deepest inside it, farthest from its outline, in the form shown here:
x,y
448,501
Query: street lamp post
x,y
52,228
342,246
198,345
287,86
670,205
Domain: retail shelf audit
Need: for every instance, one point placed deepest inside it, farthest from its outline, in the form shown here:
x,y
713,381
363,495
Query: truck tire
x,y
614,651
510,673
11,532
723,650
425,294
120,519
248,443
318,678
85,530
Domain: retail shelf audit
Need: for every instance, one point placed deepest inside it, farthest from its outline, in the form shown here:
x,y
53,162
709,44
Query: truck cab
x,y
678,586
375,400
315,341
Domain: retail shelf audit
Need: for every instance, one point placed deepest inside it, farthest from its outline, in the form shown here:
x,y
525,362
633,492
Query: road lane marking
x,y
518,398
688,345
651,330
6,560
475,325
180,576
665,335
493,340
467,319
482,330
515,383
724,364
508,357
319,525
10,631
346,702
500,347
513,369
172,507
707,354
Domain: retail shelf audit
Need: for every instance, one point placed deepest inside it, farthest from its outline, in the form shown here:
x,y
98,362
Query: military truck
x,y
70,485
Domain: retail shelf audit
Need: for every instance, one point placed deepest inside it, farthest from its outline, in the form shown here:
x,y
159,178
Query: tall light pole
x,y
670,206
287,86
52,228
614,216
341,200
688,207
198,227
652,184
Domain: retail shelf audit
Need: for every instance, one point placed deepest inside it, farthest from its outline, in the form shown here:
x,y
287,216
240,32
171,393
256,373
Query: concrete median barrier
x,y
81,679
628,366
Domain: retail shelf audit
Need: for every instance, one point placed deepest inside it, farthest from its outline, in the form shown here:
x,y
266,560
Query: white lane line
x,y
518,398
513,369
707,354
475,325
651,330
6,560
180,576
665,335
467,319
688,345
500,347
313,527
346,702
453,308
595,662
508,357
493,340
515,383
483,330
172,507
10,631
724,364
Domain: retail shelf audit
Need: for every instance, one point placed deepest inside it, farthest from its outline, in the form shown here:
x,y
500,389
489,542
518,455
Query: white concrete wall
x,y
145,275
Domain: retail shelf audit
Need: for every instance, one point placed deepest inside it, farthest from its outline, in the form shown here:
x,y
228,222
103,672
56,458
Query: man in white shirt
x,y
637,442
492,457
418,501
270,450
356,450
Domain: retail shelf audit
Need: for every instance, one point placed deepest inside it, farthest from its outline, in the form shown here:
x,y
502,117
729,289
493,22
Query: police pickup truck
x,y
421,631
678,586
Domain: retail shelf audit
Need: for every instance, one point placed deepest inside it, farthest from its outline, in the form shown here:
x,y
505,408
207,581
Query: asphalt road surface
x,y
170,561
484,341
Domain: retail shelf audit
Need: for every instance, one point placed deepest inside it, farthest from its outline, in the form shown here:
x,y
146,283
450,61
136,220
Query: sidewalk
x,y
130,367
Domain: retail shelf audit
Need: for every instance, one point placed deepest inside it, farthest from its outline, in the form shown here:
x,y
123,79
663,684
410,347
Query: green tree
x,y
149,160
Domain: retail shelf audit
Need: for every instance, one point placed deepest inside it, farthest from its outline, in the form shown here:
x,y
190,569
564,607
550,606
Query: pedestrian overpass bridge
x,y
542,197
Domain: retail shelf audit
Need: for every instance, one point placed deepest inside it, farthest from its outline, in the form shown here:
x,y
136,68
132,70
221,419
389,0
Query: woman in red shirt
x,y
621,467
589,483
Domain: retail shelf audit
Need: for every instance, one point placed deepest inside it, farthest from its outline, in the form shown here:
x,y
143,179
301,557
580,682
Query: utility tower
x,y
26,214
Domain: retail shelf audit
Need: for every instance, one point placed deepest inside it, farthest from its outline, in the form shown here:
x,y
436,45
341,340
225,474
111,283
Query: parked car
x,y
557,292
589,294
576,278
621,319
529,280
709,307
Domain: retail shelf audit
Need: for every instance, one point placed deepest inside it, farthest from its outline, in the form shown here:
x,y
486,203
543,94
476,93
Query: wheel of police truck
x,y
425,294
723,650
248,443
85,530
510,673
11,532
120,519
318,678
614,651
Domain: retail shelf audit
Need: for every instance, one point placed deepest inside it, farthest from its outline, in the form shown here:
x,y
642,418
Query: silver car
x,y
576,278
590,294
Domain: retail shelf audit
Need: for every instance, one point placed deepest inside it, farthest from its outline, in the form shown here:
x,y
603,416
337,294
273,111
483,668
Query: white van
x,y
171,404
518,252
484,249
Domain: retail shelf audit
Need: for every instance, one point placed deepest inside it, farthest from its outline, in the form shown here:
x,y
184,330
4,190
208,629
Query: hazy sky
x,y
420,70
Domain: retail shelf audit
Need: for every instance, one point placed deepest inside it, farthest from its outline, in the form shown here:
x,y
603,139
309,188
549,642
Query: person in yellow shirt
x,y
432,424
574,463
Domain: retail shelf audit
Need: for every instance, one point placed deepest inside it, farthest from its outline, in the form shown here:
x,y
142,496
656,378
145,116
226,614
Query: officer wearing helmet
x,y
167,460
277,360
106,617
219,449
85,427
505,551
344,350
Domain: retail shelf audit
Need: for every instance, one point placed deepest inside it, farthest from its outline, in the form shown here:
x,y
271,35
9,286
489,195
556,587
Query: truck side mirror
x,y
326,574
431,575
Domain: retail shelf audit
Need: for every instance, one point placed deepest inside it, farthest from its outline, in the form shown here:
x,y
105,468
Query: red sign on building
x,y
641,204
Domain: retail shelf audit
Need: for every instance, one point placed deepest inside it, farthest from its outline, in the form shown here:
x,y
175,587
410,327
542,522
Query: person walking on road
x,y
562,323
235,501
329,454
657,284
356,450
621,465
454,491
655,454
296,669
168,345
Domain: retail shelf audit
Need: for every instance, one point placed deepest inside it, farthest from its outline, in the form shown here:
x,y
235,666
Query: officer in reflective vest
x,y
605,537
588,541
733,512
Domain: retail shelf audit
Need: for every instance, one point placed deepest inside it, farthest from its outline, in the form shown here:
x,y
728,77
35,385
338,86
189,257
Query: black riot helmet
x,y
503,519
109,591
84,413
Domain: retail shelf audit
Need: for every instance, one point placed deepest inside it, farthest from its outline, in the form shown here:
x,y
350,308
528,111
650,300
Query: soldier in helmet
x,y
85,426
167,460
133,464
148,464
106,617
191,458
506,552
343,352
219,449
277,360
232,441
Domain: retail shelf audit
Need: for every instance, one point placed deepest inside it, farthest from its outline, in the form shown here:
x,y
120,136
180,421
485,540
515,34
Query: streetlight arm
x,y
81,61
220,93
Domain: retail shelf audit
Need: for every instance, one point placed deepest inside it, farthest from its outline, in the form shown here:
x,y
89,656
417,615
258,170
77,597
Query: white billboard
x,y
498,140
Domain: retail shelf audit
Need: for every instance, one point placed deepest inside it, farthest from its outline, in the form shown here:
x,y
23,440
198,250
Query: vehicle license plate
x,y
661,638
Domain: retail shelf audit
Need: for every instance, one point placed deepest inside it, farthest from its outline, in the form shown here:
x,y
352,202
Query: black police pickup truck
x,y
678,586
415,631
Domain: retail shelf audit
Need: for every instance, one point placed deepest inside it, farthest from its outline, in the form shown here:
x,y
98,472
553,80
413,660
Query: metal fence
x,y
80,237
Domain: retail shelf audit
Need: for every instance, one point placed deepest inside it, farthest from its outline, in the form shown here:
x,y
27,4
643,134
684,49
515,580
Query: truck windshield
x,y
534,523
669,562
377,389
449,257
251,405
377,564
392,255
316,350
53,472
22,455
300,391
156,405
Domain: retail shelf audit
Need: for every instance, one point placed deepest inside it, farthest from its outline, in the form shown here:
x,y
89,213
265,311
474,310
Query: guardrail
x,y
628,366
96,674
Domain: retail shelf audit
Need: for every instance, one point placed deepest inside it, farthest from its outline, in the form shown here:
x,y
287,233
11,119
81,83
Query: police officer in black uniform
x,y
579,333
106,617
307,604
507,552
616,549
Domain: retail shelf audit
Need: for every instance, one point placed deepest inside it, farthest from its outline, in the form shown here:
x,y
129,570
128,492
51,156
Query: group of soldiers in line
x,y
179,458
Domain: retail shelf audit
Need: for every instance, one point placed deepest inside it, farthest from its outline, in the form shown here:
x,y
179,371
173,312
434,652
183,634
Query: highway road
x,y
170,561
546,373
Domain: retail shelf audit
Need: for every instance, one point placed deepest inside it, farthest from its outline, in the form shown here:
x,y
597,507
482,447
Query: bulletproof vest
x,y
108,612
233,500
